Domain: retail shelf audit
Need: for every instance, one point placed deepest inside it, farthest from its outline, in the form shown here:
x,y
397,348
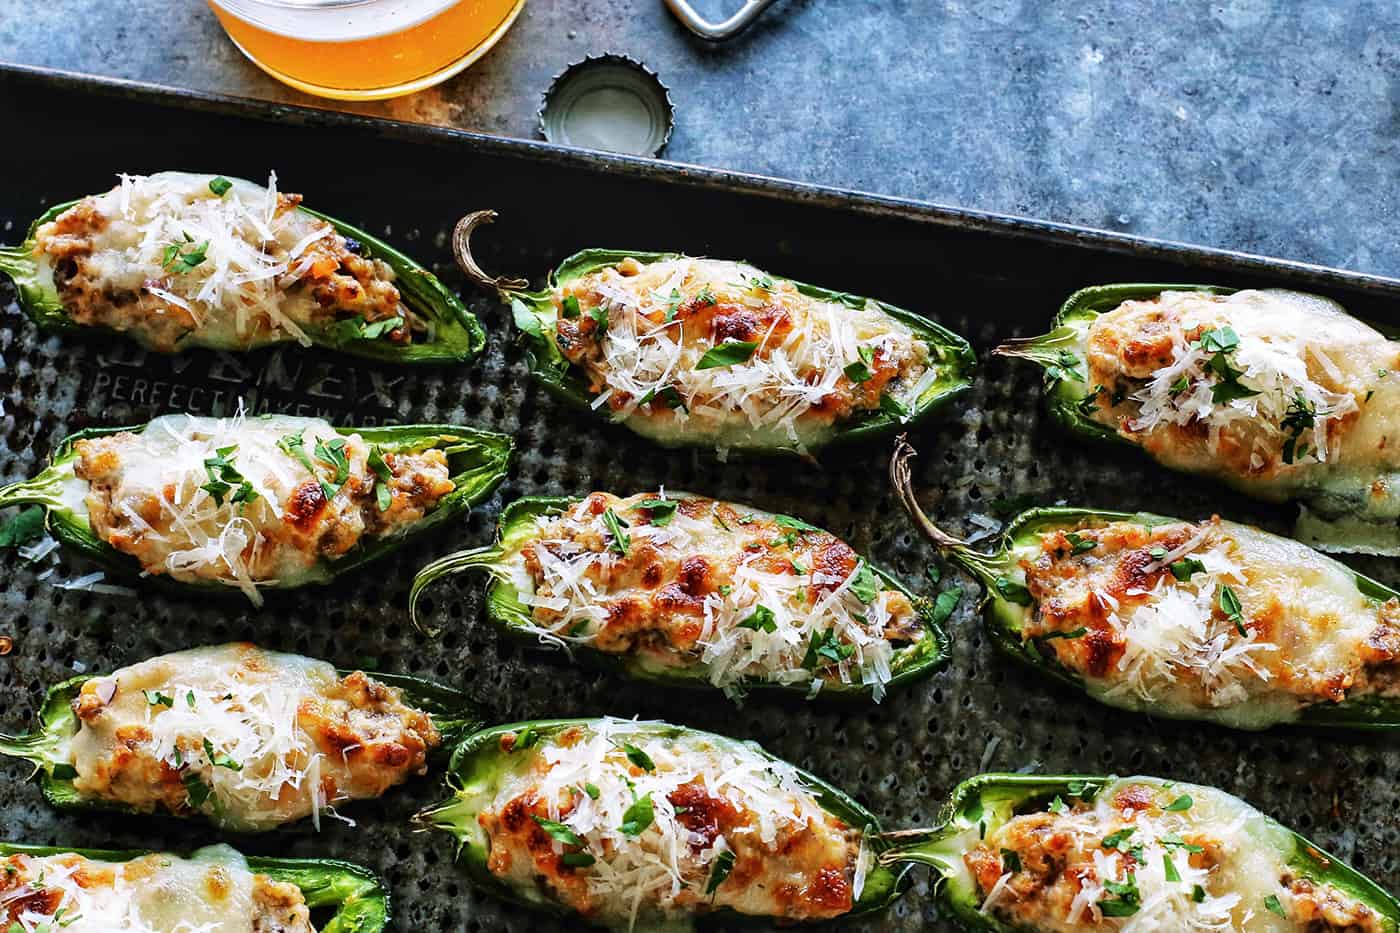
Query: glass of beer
x,y
364,49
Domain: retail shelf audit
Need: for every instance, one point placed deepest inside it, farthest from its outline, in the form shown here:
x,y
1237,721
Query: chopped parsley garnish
x,y
196,791
666,395
1182,383
156,698
859,371
220,185
706,296
1229,604
662,510
569,306
592,790
1128,898
383,495
359,329
1011,591
224,476
638,757
1271,903
1080,544
787,521
525,738
1169,868
1058,806
729,353
1301,416
1010,861
1172,839
760,282
1198,893
1157,553
674,305
1221,342
600,321
176,261
189,699
865,585
723,865
620,541
294,446
1089,403
1184,568
1180,804
1115,840
825,648
760,620
219,761
333,452
558,831
637,817
577,859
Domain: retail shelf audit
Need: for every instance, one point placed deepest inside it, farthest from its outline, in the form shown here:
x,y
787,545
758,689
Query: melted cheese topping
x,y
738,593
1146,617
173,263
1303,395
659,320
787,857
212,891
164,497
1125,862
253,739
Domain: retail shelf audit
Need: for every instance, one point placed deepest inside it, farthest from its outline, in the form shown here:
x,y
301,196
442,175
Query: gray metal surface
x,y
985,277
1271,126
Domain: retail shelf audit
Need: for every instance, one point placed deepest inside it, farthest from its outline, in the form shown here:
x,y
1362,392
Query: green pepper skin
x,y
455,335
1005,603
504,608
479,461
452,714
361,904
992,799
479,763
534,315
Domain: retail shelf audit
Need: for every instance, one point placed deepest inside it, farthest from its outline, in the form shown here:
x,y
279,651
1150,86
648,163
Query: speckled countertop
x,y
1264,125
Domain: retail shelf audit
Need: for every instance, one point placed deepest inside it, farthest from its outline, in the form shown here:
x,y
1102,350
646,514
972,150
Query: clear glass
x,y
364,49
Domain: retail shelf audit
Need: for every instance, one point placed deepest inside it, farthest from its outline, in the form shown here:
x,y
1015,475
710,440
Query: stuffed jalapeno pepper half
x,y
1280,394
47,889
247,738
177,260
708,352
636,825
1073,853
1207,620
691,591
257,503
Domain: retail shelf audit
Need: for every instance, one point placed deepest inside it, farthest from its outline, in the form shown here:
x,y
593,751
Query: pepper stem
x,y
46,489
16,262
37,748
918,846
451,816
983,566
462,250
483,557
1044,349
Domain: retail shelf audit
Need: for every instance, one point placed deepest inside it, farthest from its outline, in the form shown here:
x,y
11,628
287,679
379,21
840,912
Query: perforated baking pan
x,y
986,276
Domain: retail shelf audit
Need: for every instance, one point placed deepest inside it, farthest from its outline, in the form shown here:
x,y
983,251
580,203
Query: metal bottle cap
x,y
608,102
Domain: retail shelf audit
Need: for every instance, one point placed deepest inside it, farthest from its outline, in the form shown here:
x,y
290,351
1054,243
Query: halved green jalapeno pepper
x,y
444,331
477,461
1160,839
1282,395
50,746
710,590
740,328
1212,620
488,819
353,893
